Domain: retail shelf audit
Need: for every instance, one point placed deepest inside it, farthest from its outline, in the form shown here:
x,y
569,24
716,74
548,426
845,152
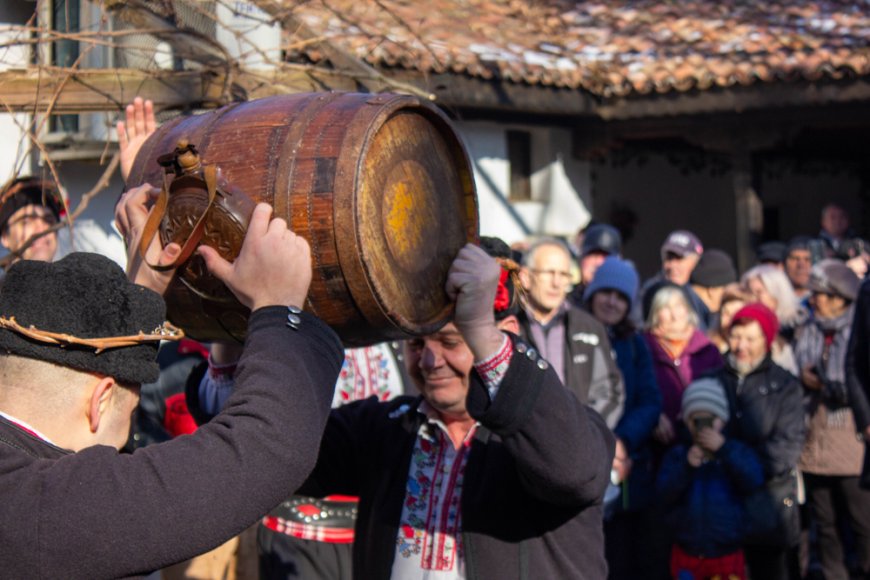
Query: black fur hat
x,y
506,302
26,191
86,296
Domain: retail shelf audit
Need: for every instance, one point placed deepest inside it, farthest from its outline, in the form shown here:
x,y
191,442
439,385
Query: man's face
x,y
835,221
547,279
589,265
748,345
26,223
439,365
797,267
678,269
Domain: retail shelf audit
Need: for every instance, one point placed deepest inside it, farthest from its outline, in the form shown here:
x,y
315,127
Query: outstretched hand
x,y
132,134
471,283
131,213
273,267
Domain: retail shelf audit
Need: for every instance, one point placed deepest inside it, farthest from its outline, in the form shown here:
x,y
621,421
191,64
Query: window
x,y
64,52
519,152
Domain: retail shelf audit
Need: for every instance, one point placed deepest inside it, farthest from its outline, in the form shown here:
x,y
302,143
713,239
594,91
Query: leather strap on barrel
x,y
159,210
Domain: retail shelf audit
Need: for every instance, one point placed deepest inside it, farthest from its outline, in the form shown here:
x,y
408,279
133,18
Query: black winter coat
x,y
531,501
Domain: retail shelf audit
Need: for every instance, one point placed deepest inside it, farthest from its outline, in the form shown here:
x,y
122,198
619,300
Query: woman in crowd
x,y
767,411
680,352
833,454
733,299
609,298
770,286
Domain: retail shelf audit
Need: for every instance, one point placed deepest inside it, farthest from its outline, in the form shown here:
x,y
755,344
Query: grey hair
x,y
789,311
529,257
662,298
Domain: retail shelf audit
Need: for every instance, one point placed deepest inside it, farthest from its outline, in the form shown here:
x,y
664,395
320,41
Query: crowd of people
x,y
570,422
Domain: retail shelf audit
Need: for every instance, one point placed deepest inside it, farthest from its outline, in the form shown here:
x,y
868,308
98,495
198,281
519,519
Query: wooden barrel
x,y
379,185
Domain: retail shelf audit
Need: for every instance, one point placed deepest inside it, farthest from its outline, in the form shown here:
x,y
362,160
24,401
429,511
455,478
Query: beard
x,y
743,368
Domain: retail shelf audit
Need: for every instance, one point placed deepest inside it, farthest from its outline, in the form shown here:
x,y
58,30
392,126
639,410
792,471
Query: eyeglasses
x,y
552,274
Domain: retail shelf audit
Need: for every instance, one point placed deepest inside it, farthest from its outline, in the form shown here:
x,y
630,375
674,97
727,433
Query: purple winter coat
x,y
700,357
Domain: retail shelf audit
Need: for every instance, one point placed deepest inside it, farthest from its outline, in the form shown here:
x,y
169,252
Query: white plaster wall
x,y
560,185
13,145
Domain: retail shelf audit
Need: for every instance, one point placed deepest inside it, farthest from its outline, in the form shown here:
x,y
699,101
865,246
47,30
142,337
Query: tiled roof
x,y
610,48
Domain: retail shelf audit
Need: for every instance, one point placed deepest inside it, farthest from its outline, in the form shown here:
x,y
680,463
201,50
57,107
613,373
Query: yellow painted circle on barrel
x,y
409,220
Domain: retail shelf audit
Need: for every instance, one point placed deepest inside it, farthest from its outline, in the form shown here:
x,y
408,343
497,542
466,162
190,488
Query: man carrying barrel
x,y
77,338
494,471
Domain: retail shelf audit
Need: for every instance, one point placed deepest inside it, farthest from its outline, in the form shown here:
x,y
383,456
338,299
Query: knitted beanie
x,y
714,269
761,314
614,274
705,394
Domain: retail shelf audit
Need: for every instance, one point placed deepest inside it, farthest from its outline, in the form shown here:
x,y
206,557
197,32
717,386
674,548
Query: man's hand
x,y
711,438
131,213
132,134
471,283
273,267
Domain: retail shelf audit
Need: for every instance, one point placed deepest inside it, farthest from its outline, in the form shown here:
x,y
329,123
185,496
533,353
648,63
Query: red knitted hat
x,y
761,314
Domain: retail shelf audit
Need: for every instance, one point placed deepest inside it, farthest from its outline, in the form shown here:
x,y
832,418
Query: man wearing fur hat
x,y
833,455
29,207
766,404
495,471
77,339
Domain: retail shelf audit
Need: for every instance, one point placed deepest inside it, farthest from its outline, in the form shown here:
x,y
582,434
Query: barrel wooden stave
x,y
312,157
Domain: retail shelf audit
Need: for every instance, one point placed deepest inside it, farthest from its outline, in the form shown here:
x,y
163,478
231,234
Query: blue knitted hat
x,y
614,274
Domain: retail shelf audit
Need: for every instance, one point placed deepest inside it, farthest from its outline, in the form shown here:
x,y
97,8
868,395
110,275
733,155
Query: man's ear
x,y
101,397
4,238
510,324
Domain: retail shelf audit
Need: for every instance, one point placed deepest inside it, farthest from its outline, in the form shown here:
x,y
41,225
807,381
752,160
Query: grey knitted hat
x,y
706,394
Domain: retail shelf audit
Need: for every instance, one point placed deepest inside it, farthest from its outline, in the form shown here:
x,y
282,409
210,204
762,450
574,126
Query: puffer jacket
x,y
643,404
705,504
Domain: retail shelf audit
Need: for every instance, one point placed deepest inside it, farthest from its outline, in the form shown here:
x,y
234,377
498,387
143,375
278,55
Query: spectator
x,y
770,286
680,253
835,229
29,207
600,241
627,532
570,339
858,374
496,469
772,253
765,402
798,261
715,270
832,457
733,299
680,352
703,483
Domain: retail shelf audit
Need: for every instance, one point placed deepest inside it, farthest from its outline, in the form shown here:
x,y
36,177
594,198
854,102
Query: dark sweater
x,y
531,502
100,514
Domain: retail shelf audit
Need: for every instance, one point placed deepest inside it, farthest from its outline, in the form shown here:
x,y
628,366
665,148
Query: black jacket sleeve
x,y
562,448
858,361
106,515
